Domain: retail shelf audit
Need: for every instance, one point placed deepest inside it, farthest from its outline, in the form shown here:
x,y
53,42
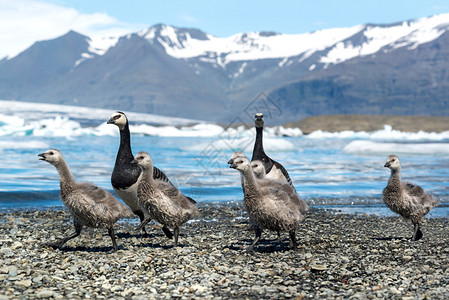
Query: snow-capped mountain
x,y
341,44
188,73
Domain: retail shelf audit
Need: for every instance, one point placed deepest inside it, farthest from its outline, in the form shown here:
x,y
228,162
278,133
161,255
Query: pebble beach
x,y
338,256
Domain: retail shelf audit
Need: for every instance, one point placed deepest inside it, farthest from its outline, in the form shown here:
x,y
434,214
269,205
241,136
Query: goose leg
x,y
258,233
417,233
167,232
143,223
141,216
293,243
176,232
114,243
58,244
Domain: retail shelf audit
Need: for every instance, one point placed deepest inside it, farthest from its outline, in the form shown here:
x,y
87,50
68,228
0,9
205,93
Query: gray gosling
x,y
166,204
406,199
260,173
88,204
259,169
270,204
234,155
274,174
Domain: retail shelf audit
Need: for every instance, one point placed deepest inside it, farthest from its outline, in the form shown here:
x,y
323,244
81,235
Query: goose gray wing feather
x,y
97,194
414,190
159,175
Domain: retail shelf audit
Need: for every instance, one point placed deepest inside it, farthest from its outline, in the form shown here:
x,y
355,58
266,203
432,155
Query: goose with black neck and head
x,y
125,175
273,169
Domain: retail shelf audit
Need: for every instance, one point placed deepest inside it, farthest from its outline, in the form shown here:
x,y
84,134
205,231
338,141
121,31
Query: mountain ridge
x,y
185,72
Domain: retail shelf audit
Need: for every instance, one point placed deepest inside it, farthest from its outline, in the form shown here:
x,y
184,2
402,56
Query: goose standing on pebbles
x,y
165,202
125,174
406,199
88,204
273,169
270,204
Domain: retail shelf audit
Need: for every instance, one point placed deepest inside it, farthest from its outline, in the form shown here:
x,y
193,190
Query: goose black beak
x,y
41,156
233,165
231,161
387,165
134,162
110,121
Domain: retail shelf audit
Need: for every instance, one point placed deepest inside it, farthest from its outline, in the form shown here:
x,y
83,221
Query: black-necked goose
x,y
273,169
125,174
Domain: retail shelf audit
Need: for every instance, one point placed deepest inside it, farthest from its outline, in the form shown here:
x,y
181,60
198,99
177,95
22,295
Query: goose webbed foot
x,y
55,245
58,244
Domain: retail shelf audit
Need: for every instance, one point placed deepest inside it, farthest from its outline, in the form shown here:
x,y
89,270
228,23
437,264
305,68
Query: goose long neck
x,y
147,175
124,152
395,178
65,176
258,145
251,185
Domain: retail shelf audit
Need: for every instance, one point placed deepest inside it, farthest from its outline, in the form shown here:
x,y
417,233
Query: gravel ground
x,y
339,256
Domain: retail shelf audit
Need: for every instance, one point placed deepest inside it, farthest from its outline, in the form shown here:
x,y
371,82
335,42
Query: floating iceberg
x,y
374,148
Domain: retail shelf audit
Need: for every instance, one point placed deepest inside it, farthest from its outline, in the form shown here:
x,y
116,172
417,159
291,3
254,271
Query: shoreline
x,y
370,123
376,208
339,255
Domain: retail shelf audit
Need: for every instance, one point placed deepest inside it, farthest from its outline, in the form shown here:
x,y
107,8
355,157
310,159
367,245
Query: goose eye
x,y
51,153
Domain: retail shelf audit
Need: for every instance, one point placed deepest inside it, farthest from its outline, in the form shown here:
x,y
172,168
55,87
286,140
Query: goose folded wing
x,y
159,175
191,200
414,190
278,194
283,170
95,193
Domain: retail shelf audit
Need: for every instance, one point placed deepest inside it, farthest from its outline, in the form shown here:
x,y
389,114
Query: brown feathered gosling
x,y
88,204
406,199
270,204
166,204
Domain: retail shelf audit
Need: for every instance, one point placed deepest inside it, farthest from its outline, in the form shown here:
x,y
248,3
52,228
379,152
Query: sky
x,y
23,22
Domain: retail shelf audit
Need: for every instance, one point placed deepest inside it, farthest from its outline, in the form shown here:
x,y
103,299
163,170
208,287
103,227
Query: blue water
x,y
322,173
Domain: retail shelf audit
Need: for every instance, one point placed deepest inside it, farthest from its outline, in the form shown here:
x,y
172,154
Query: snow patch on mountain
x,y
97,46
337,44
249,46
101,45
411,34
